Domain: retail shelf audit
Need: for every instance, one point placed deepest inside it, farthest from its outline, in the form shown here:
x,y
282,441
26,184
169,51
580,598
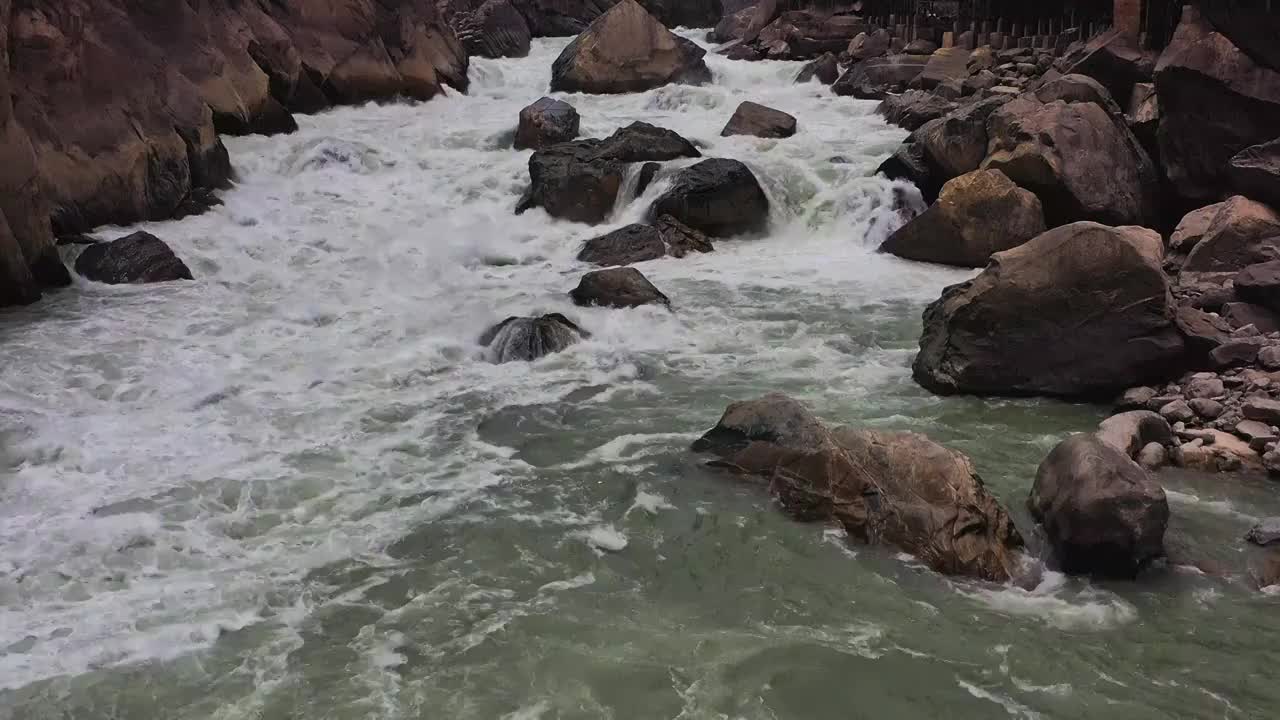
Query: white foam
x,y
1059,603
606,538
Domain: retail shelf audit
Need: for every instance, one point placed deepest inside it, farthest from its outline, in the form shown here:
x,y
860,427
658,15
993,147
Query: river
x,y
295,488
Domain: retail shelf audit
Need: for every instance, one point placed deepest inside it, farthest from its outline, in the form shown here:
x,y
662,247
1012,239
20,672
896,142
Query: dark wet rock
x,y
899,489
1241,232
908,163
627,50
976,215
826,69
914,108
580,180
761,121
137,258
622,287
1215,101
718,197
957,144
1255,172
680,238
528,338
631,244
1204,332
648,172
1001,333
1083,164
875,78
546,122
1102,513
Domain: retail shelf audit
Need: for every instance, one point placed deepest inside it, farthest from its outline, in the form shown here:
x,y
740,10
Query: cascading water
x,y
297,488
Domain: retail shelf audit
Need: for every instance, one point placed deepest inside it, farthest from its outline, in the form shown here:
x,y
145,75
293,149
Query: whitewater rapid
x,y
295,486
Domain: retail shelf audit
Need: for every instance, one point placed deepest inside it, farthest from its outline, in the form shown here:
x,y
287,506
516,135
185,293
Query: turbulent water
x,y
295,488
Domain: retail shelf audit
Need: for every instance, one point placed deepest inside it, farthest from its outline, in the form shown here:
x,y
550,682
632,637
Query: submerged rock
x,y
718,197
900,489
1102,513
137,258
621,287
627,50
529,338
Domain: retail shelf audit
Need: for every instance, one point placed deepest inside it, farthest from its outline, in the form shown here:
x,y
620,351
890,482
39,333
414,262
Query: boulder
x,y
1258,434
946,64
1102,513
1260,283
1219,451
686,13
1114,60
1262,409
1143,116
1002,333
733,26
1255,172
921,47
1242,233
957,143
1078,89
1177,411
873,79
1215,101
1205,408
529,338
979,81
580,180
755,119
494,29
1235,352
1204,333
976,215
1130,432
680,238
1076,158
1135,398
546,122
1153,456
627,50
914,108
718,197
899,489
622,287
826,69
1265,532
631,244
805,34
869,45
1240,314
137,258
908,163
1191,229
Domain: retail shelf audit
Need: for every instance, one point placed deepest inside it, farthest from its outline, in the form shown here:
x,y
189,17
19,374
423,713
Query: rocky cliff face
x,y
117,104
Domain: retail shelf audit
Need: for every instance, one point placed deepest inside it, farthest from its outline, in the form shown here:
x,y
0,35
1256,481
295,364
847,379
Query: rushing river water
x,y
295,489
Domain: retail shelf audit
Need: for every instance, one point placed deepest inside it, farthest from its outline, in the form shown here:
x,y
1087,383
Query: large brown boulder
x,y
899,489
718,197
733,26
1215,101
1113,59
947,64
826,69
1102,513
875,78
1083,163
1241,233
761,121
1255,171
1081,310
976,215
627,50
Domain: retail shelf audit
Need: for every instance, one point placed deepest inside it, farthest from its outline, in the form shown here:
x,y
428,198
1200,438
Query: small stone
x,y
1206,387
1179,427
1269,357
1266,532
1135,399
1206,408
1234,352
1259,435
1234,381
1152,456
1178,411
1248,331
1160,401
1262,408
1206,437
